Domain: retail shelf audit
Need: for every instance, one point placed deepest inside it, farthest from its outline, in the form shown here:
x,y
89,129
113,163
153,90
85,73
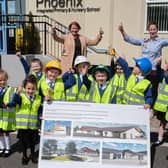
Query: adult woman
x,y
151,49
74,44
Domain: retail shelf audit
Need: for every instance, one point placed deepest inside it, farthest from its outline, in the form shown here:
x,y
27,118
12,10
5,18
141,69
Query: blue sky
x,y
123,146
107,124
49,124
80,144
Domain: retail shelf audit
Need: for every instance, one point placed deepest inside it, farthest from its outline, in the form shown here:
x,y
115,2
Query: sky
x,y
135,147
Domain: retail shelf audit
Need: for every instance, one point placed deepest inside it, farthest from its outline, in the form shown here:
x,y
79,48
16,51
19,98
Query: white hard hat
x,y
80,59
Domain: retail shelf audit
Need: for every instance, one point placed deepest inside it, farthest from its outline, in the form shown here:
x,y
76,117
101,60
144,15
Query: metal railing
x,y
36,36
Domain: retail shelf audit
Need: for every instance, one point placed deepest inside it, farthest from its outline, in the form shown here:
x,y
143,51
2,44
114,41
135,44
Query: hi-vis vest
x,y
8,115
134,93
161,102
74,94
39,80
107,96
27,113
57,93
120,83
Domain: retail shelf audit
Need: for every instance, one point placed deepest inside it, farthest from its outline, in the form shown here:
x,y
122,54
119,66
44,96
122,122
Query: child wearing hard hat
x,y
52,86
138,88
101,89
106,90
80,89
161,104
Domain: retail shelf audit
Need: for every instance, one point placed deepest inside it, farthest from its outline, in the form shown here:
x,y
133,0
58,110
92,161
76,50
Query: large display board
x,y
94,135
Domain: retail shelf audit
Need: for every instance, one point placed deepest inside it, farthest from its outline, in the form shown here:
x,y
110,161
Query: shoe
x,y
25,160
1,152
6,153
34,159
158,142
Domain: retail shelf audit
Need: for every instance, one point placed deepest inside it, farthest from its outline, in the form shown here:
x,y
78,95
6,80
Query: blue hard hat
x,y
144,65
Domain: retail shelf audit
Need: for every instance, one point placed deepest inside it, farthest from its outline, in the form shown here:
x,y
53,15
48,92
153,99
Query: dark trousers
x,y
153,77
28,139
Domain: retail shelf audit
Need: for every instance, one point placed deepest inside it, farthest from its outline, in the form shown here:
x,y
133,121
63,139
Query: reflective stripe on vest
x,y
8,121
107,95
161,102
38,80
71,93
74,94
83,92
57,93
120,83
27,125
27,115
134,93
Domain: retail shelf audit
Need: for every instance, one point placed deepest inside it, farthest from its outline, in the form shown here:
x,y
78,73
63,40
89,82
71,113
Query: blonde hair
x,y
4,73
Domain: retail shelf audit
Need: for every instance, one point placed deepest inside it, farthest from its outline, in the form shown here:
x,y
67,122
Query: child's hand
x,y
146,106
166,66
71,70
18,54
159,60
19,90
4,105
47,98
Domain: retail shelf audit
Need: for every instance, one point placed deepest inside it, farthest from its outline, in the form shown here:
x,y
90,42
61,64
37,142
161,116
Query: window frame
x,y
146,8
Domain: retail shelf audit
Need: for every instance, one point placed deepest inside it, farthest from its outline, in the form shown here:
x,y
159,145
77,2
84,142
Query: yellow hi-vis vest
x,y
120,83
134,93
161,102
8,115
107,96
27,113
57,93
39,80
74,94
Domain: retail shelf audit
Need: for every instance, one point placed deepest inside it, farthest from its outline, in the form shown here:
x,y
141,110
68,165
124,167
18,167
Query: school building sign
x,y
64,6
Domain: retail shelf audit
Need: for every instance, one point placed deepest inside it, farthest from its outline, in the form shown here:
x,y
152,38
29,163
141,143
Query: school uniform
x,y
138,88
80,88
7,119
27,122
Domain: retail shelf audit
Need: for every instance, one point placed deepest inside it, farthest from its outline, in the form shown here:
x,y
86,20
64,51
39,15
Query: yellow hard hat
x,y
53,64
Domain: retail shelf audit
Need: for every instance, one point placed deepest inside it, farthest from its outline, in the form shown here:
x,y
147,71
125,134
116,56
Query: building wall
x,y
111,13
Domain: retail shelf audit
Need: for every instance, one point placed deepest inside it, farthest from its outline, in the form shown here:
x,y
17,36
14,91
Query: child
x,y
7,115
106,90
52,86
119,76
79,90
161,105
35,67
28,102
101,89
138,89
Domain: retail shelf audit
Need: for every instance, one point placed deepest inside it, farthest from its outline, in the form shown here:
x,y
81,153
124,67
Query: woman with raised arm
x,y
74,44
151,49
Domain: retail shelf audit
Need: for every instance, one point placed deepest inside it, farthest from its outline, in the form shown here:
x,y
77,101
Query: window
x,y
157,11
11,6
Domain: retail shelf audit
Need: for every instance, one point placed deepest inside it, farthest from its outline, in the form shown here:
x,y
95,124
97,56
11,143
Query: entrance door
x,y
2,28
